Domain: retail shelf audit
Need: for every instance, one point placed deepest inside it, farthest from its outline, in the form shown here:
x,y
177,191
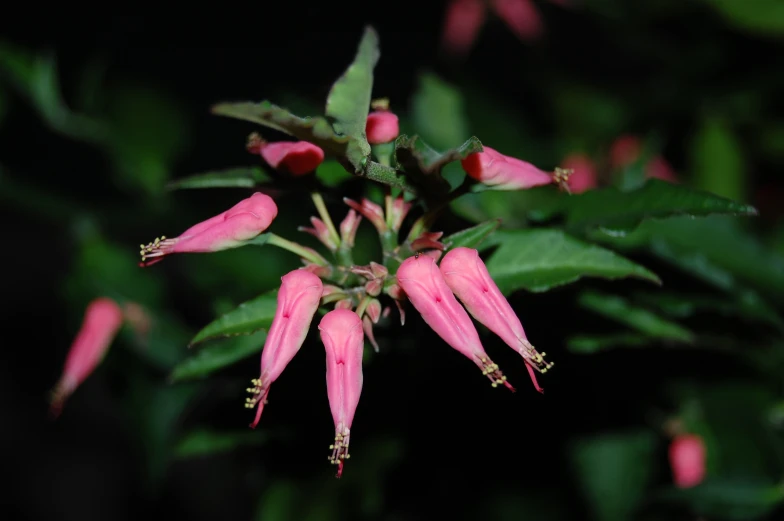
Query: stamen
x,y
561,178
490,370
534,358
157,248
339,452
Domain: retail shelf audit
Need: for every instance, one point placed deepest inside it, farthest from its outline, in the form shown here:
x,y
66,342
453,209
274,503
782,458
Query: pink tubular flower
x,y
343,338
298,299
102,320
425,287
521,16
295,157
464,19
583,177
242,222
687,460
626,149
382,127
503,172
467,277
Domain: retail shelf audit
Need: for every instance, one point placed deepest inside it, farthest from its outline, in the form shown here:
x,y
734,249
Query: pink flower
x,y
298,299
348,228
464,19
503,172
382,127
687,460
370,211
521,16
242,222
102,320
343,338
467,277
295,157
627,149
422,282
583,176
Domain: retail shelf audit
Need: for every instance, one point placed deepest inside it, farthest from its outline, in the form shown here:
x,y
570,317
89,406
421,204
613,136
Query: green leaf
x,y
717,160
617,212
538,260
472,237
514,208
589,344
203,442
423,164
642,320
218,355
315,130
439,112
758,16
732,499
240,177
331,173
614,471
349,99
247,318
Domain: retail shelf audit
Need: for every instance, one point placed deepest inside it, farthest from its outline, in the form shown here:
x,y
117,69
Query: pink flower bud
x,y
467,277
298,299
464,19
382,127
367,328
583,175
342,335
374,287
138,318
397,209
348,228
230,229
659,168
379,270
503,172
373,310
330,289
425,287
318,270
624,151
370,211
102,320
521,16
295,157
428,241
345,303
687,459
320,232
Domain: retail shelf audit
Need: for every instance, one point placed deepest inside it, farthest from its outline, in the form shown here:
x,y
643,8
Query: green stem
x,y
297,249
344,256
324,214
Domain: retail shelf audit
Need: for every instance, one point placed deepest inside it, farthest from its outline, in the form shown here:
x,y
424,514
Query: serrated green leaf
x,y
331,173
619,212
640,319
247,318
614,471
439,112
348,102
316,130
203,442
472,237
538,260
240,177
218,355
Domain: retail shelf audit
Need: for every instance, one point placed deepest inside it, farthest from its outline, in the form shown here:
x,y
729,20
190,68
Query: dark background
x,y
431,438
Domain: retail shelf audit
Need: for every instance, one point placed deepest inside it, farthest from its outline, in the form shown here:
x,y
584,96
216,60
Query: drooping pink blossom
x,y
382,127
343,338
295,157
102,320
242,222
687,457
583,176
521,16
426,289
502,172
468,278
298,299
464,19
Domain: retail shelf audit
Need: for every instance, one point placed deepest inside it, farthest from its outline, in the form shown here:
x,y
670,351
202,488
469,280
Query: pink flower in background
x,y
426,289
468,278
626,149
242,222
102,320
521,16
583,176
687,459
298,299
343,338
295,157
492,168
382,127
